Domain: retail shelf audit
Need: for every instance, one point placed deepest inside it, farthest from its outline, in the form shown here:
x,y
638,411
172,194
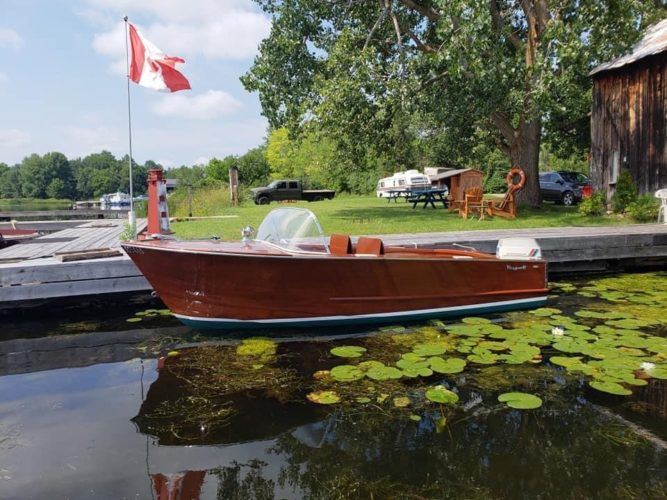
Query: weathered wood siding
x,y
629,120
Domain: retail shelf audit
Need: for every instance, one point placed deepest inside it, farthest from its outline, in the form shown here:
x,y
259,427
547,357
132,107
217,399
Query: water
x,y
92,416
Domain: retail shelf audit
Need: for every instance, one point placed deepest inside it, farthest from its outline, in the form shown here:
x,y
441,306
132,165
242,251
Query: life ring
x,y
510,179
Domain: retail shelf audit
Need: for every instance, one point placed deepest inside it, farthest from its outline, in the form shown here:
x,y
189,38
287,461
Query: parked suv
x,y
563,186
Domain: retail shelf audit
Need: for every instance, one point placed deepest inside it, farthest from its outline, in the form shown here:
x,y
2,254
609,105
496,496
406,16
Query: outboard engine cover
x,y
518,249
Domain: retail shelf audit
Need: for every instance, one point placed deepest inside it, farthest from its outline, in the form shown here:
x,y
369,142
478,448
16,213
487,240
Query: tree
x,y
218,169
512,67
10,183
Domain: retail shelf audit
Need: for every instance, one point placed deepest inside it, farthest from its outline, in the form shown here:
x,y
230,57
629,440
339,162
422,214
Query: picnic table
x,y
429,196
395,194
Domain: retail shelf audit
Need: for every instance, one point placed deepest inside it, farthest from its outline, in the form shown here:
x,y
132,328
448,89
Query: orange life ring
x,y
510,178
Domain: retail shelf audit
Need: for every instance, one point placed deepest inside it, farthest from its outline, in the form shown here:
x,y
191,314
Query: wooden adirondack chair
x,y
507,207
473,203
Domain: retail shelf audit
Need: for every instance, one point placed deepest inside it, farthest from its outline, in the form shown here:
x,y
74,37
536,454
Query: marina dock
x,y
72,262
84,260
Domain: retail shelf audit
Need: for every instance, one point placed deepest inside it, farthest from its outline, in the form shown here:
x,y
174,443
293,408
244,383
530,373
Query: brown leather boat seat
x,y
369,246
340,244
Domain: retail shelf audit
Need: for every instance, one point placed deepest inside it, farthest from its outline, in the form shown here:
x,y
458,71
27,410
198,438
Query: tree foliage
x,y
53,175
379,78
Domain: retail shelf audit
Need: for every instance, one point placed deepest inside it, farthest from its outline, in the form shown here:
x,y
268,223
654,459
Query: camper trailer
x,y
405,182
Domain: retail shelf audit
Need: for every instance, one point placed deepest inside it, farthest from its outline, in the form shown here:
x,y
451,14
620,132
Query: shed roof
x,y
653,42
451,173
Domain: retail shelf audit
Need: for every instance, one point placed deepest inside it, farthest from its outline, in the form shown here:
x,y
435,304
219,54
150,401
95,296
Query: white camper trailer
x,y
403,182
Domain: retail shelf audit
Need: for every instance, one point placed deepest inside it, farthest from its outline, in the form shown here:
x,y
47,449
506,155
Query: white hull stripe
x,y
417,312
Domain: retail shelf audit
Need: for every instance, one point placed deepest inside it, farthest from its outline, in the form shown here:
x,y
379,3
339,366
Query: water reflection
x,y
84,416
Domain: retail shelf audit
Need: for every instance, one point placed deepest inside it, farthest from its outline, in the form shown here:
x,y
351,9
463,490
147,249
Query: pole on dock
x,y
131,216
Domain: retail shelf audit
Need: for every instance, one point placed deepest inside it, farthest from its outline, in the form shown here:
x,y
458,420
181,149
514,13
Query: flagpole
x,y
131,215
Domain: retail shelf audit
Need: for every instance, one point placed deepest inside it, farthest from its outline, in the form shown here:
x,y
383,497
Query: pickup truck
x,y
288,189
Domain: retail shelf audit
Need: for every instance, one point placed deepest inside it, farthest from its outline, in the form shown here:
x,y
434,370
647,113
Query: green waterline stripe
x,y
366,319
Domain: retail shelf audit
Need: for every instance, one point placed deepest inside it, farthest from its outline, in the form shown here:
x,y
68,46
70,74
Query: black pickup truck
x,y
288,189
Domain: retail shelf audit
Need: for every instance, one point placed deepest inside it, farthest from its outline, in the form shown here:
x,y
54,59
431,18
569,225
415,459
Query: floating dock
x,y
73,263
85,260
567,249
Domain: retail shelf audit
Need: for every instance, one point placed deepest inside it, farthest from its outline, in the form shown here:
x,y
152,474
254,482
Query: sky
x,y
63,85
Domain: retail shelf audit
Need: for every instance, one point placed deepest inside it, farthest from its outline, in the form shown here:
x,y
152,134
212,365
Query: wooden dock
x,y
567,249
82,213
33,272
39,270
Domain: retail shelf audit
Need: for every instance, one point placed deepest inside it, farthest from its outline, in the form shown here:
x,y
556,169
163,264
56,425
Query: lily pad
x,y
545,311
483,358
346,373
384,373
610,387
348,351
401,402
520,400
446,366
364,366
430,349
256,347
476,321
440,394
324,397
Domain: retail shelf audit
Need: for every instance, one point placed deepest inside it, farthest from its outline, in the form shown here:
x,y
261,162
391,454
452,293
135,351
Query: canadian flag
x,y
150,67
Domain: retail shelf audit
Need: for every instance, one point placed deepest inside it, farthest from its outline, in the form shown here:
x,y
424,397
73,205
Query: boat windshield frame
x,y
293,229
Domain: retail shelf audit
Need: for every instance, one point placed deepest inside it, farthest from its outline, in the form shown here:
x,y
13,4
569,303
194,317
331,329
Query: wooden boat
x,y
10,237
291,275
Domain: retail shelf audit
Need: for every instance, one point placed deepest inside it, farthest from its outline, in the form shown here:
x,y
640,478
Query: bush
x,y
625,193
644,209
593,205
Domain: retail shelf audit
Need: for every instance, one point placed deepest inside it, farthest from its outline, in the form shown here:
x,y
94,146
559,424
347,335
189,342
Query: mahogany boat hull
x,y
216,289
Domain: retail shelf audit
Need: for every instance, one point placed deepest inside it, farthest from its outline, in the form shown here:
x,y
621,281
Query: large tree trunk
x,y
525,153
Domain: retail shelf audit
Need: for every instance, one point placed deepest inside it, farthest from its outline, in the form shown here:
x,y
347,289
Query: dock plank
x,y
43,291
51,270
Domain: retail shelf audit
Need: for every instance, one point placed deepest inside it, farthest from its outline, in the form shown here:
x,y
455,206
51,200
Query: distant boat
x,y
116,199
292,275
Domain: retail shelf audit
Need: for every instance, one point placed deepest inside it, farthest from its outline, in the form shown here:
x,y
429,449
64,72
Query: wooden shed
x,y
629,116
457,181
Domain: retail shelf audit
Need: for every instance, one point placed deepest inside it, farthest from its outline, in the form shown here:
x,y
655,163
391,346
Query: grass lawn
x,y
358,215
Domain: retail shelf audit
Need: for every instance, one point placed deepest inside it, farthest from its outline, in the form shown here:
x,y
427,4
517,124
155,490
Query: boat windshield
x,y
295,229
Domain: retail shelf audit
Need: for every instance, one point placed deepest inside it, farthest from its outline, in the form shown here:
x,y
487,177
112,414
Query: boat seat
x,y
369,246
340,244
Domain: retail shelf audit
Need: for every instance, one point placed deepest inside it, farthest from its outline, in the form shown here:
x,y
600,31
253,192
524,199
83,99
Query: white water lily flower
x,y
557,331
647,366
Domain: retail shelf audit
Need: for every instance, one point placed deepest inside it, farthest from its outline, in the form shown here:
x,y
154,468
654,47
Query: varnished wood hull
x,y
227,290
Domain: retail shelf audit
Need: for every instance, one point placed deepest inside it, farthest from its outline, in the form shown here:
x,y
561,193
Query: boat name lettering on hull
x,y
516,268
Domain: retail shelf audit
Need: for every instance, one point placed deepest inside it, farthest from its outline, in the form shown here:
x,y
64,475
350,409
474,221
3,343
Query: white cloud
x,y
10,39
202,160
13,138
81,141
212,28
205,106
3,77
